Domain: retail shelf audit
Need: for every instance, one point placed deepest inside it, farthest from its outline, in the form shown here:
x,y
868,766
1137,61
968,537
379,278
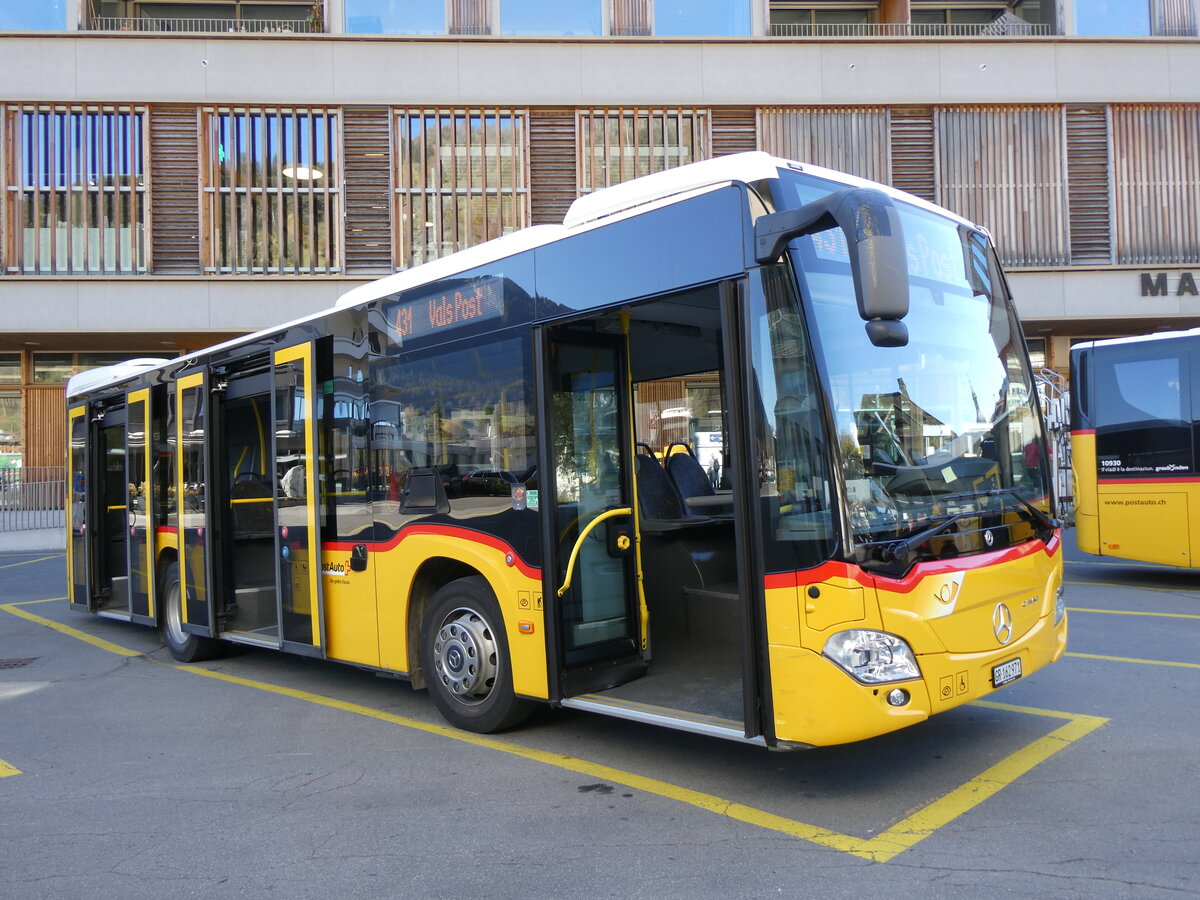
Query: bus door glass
x,y
590,452
295,460
139,504
249,486
77,511
191,491
112,539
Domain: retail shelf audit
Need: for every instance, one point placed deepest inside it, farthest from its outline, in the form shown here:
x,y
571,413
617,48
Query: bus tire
x,y
464,655
183,646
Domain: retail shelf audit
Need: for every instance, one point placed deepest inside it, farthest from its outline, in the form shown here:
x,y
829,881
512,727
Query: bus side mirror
x,y
878,257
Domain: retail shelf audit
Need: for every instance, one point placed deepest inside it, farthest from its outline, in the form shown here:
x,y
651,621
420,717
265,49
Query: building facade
x,y
179,173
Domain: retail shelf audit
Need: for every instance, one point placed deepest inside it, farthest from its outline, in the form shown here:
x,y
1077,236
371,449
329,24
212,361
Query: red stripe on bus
x,y
1162,479
919,573
1083,431
455,531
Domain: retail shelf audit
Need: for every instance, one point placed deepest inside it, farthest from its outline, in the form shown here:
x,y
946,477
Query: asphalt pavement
x,y
126,775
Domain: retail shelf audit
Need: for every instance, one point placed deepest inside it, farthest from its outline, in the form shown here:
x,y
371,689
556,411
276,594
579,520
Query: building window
x,y
462,179
616,145
1003,167
1110,18
939,14
10,429
396,17
850,139
566,17
1155,183
702,17
272,198
1037,353
630,17
800,20
10,368
76,193
54,367
21,15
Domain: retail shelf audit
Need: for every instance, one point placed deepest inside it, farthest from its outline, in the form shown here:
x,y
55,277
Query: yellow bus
x,y
1133,428
741,448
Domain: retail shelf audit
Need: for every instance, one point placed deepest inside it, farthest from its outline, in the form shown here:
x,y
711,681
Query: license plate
x,y
1006,672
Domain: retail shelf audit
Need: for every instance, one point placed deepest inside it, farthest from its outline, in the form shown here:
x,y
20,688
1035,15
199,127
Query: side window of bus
x,y
1142,424
349,482
461,416
795,485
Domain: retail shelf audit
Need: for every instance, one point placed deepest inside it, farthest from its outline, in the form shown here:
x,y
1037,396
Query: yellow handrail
x,y
607,514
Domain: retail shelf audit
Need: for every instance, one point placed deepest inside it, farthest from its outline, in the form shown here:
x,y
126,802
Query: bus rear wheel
x,y
464,654
184,647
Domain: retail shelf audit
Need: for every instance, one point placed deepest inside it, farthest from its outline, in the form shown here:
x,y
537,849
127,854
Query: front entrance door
x,y
590,485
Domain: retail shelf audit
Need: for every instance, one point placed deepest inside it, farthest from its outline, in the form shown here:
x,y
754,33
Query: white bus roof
x,y
1136,339
106,375
620,200
627,198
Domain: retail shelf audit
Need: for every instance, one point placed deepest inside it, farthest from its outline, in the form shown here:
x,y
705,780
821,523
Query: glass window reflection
x,y
1112,17
395,17
702,17
567,17
44,15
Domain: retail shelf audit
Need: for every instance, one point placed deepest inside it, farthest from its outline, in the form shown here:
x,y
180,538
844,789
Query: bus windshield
x,y
938,441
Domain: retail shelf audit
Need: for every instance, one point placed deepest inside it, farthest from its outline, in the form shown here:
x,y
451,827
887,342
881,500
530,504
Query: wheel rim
x,y
174,616
465,656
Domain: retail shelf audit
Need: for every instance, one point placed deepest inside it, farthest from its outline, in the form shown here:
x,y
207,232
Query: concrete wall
x,y
353,69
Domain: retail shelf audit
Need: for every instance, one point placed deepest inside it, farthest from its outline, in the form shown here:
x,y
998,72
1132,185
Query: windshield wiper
x,y
901,550
1039,515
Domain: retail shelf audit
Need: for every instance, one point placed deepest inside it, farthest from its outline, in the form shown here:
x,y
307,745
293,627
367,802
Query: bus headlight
x,y
1060,605
872,657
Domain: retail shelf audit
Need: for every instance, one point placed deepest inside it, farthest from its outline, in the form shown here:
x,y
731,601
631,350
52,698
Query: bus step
x,y
680,720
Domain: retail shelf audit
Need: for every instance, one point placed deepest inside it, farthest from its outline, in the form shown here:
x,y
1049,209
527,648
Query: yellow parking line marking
x,y
881,848
6,769
1132,612
1131,587
1129,659
26,562
66,629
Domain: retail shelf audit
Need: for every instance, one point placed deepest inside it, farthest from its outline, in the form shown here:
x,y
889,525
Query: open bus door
x,y
587,489
294,446
249,535
653,600
78,485
196,614
138,489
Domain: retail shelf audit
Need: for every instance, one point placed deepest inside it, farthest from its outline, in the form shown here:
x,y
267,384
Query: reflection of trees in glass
x,y
273,197
461,179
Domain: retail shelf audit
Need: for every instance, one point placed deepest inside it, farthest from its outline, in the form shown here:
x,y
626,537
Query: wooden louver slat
x,y
551,164
1087,184
175,199
914,166
733,130
368,169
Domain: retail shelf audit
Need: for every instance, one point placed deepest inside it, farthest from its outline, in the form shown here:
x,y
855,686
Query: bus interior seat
x,y
659,503
690,479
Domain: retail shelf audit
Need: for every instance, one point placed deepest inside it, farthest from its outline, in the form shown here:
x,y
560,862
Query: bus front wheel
x,y
184,647
465,658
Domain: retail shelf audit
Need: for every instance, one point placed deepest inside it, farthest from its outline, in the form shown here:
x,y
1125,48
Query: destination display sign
x,y
473,300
